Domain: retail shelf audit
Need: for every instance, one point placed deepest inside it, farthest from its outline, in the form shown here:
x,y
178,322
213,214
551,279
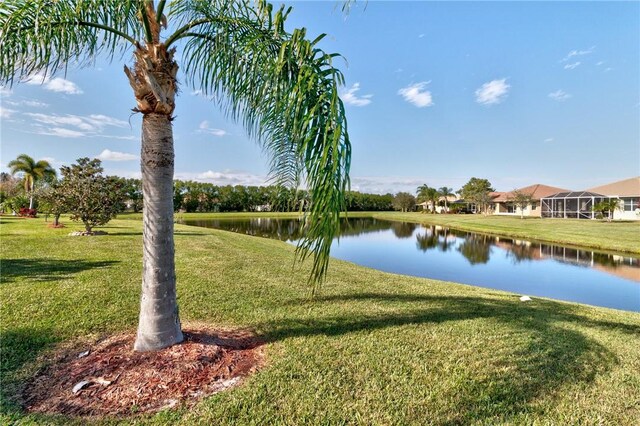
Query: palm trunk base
x,y
149,341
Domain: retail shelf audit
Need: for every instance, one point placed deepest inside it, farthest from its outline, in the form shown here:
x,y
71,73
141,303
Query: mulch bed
x,y
114,380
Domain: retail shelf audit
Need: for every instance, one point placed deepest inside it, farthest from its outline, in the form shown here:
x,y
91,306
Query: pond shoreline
x,y
557,271
610,237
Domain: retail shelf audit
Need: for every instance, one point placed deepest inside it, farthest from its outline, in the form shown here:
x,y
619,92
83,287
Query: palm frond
x,y
284,90
46,36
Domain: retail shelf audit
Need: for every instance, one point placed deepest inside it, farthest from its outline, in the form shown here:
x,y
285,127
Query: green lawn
x,y
615,236
375,348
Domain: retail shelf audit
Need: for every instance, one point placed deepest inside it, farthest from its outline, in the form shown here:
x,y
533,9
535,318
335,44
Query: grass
x,y
375,348
612,236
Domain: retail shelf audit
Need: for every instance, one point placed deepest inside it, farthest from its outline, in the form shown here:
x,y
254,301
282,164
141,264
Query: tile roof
x,y
623,188
537,192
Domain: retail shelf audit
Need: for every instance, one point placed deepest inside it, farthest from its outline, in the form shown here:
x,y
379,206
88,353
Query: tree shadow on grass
x,y
18,348
44,270
547,352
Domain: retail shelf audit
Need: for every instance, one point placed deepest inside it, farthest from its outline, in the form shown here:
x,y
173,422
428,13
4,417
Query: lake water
x,y
519,266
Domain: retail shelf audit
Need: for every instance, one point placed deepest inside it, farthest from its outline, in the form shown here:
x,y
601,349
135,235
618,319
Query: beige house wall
x,y
500,208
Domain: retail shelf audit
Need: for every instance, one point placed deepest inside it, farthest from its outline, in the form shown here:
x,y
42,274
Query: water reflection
x,y
550,270
291,229
476,248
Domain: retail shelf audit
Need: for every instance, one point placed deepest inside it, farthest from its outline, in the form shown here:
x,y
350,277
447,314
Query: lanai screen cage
x,y
572,205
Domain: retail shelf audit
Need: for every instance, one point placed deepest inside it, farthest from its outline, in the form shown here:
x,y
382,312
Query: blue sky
x,y
436,92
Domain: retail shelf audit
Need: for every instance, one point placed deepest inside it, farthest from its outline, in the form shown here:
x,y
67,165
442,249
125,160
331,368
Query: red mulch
x,y
124,382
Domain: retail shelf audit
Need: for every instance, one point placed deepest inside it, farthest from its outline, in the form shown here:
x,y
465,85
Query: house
x,y
502,204
440,205
571,205
579,204
628,192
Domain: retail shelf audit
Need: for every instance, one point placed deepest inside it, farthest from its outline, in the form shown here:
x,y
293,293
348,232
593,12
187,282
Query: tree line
x,y
81,184
82,191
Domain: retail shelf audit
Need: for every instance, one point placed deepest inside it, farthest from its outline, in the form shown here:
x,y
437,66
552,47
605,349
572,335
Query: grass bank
x,y
375,348
613,236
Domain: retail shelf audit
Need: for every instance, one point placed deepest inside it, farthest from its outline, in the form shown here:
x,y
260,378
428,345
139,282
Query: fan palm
x,y
279,85
32,171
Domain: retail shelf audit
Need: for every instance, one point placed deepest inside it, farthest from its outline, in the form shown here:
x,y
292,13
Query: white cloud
x,y
90,125
63,133
599,63
572,65
124,138
394,184
101,121
608,69
421,35
548,140
204,128
576,52
65,86
226,177
56,84
559,95
5,112
28,103
108,155
417,95
493,92
49,160
200,93
5,91
349,96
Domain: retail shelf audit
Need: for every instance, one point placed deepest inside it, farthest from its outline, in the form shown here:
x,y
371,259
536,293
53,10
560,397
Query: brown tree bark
x,y
153,80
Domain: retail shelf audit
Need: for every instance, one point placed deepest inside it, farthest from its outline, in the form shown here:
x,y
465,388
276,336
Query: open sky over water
x,y
436,92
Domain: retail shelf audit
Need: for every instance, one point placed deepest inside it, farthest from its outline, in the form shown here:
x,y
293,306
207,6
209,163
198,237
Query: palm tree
x,y
607,207
279,85
426,193
445,192
422,192
32,171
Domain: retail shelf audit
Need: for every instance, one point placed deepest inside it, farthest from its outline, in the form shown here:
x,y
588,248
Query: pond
x,y
519,266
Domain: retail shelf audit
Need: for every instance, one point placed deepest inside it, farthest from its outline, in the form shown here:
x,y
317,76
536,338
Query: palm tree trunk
x,y
31,186
159,323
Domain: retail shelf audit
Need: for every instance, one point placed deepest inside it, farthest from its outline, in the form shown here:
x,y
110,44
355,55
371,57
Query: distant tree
x,y
477,191
133,191
445,192
90,197
607,207
52,201
520,200
404,201
10,187
32,171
